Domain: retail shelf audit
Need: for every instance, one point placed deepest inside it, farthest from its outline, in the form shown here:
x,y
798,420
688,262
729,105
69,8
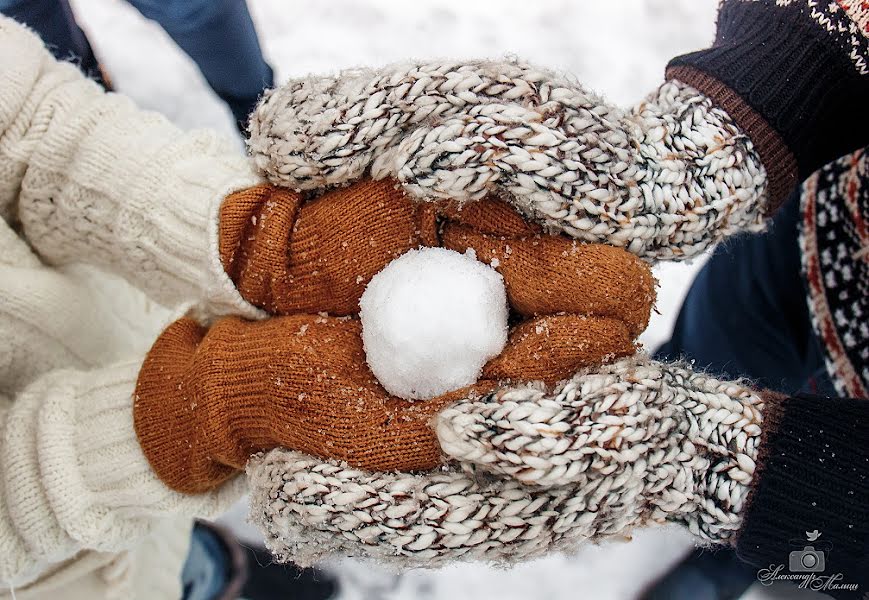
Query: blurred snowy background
x,y
617,47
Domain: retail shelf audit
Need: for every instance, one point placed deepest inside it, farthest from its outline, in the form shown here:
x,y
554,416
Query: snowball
x,y
430,320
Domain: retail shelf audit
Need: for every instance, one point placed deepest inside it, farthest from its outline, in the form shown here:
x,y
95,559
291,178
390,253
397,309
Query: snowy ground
x,y
617,47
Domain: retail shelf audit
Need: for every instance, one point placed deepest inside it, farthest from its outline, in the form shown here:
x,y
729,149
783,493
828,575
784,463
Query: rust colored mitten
x,y
206,400
583,304
289,255
551,274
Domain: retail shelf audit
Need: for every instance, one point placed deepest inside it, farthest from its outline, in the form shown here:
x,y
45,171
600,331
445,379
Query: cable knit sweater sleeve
x,y
86,177
89,177
64,489
73,477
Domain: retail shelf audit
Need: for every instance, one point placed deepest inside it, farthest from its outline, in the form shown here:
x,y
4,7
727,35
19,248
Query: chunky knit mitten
x,y
665,179
629,444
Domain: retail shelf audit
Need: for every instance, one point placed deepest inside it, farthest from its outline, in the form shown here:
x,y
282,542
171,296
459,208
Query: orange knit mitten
x,y
206,400
289,256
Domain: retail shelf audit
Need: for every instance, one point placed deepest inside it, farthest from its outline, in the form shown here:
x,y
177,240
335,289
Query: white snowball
x,y
430,320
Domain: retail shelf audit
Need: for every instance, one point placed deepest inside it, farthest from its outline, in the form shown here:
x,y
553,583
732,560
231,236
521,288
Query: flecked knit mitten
x,y
622,446
665,179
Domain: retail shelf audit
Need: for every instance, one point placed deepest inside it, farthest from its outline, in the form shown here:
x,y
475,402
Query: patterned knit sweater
x,y
794,74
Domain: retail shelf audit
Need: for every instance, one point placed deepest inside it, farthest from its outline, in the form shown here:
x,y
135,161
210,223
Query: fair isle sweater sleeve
x,y
88,177
793,75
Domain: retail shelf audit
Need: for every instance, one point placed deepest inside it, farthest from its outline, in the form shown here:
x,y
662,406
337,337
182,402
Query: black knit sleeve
x,y
793,75
808,512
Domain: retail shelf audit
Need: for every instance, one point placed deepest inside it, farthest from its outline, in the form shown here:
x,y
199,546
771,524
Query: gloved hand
x,y
207,399
665,179
613,448
290,254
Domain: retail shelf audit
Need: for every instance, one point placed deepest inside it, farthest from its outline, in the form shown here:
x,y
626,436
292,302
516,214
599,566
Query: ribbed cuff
x,y
223,296
186,247
813,476
171,412
778,72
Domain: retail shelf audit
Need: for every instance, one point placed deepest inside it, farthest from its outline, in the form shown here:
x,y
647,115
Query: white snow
x,y
430,320
618,48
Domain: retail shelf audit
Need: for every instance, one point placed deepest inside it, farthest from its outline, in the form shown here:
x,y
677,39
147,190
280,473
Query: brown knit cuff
x,y
254,242
779,161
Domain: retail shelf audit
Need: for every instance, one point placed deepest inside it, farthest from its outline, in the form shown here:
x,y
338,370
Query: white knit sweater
x,y
89,186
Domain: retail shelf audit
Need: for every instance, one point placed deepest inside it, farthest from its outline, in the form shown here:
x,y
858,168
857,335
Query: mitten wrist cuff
x,y
695,178
287,256
222,296
780,164
205,402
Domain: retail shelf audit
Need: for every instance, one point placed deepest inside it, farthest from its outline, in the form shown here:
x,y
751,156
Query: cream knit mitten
x,y
631,444
665,179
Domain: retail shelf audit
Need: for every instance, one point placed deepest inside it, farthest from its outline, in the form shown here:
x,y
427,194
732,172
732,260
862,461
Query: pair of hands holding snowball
x,y
380,408
392,403
426,305
497,453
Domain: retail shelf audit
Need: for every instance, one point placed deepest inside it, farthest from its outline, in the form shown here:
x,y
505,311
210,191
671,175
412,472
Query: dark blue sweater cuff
x,y
790,71
813,477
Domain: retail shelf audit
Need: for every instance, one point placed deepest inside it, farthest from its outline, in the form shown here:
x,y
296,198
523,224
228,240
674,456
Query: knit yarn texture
x,y
206,399
533,468
665,180
626,445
